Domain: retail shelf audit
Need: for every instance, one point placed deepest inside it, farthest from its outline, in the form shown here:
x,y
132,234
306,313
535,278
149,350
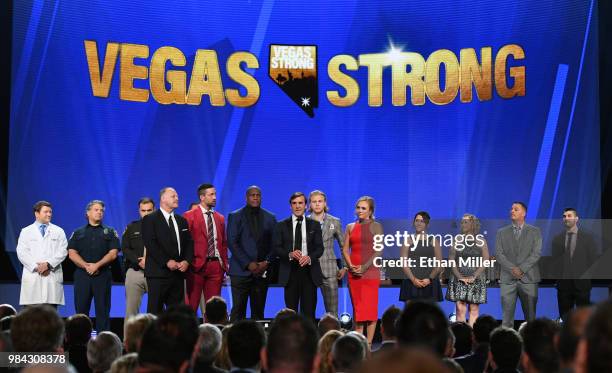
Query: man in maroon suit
x,y
210,263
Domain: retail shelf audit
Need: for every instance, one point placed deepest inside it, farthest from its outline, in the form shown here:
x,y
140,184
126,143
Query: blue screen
x,y
69,146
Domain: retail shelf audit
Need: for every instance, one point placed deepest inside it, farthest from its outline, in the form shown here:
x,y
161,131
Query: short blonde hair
x,y
134,329
325,346
317,192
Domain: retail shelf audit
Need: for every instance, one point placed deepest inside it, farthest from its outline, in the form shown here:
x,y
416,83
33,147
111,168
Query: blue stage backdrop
x,y
445,106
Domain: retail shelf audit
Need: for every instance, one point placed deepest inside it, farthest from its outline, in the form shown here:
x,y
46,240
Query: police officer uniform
x,y
132,246
93,243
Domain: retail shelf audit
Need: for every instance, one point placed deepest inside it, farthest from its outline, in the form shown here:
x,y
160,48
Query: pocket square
x,y
184,229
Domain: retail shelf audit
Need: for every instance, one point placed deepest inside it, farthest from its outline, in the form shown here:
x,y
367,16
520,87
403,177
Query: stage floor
x,y
547,302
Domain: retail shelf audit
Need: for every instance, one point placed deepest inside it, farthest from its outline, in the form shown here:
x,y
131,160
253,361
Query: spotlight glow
x,y
394,53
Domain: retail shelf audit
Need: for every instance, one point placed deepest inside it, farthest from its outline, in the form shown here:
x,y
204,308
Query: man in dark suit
x,y
249,234
574,252
207,227
298,242
169,250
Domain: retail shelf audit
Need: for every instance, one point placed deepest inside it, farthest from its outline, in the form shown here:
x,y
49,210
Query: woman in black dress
x,y
422,277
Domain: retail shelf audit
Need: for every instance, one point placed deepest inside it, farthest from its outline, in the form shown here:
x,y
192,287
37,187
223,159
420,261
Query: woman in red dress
x,y
364,278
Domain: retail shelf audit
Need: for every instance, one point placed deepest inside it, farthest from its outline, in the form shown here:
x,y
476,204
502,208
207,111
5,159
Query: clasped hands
x,y
517,273
92,269
173,265
421,283
302,259
257,268
43,268
467,280
356,270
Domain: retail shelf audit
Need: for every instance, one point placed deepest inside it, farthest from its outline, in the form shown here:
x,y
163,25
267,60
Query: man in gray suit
x,y
517,249
332,230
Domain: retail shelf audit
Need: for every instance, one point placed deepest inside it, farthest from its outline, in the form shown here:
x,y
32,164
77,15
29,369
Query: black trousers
x,y
97,287
165,291
300,290
572,293
243,288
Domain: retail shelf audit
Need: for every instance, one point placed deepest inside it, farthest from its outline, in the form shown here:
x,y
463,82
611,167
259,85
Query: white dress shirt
x,y
304,238
167,216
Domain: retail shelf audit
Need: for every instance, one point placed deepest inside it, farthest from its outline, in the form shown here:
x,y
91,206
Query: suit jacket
x,y
283,245
331,230
242,244
159,248
585,255
524,253
198,230
385,346
476,361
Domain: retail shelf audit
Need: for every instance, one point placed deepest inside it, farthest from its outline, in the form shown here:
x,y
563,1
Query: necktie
x,y
297,242
43,228
568,246
211,236
517,232
173,233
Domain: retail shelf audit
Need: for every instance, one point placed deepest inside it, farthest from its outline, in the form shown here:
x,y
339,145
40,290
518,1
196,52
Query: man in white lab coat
x,y
42,249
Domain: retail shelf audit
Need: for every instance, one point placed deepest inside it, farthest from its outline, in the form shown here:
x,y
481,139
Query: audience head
x,y
102,350
222,360
539,345
5,322
78,330
595,348
208,345
325,346
449,350
245,340
506,347
283,313
133,330
364,342
169,341
7,310
388,321
483,326
423,324
328,322
292,345
37,329
463,338
216,311
347,353
125,364
402,360
571,331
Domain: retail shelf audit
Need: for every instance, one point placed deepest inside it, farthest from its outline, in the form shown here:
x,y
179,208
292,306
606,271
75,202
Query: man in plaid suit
x,y
332,230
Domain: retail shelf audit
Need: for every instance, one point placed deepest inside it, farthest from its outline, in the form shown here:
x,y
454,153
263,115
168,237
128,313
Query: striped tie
x,y
211,236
